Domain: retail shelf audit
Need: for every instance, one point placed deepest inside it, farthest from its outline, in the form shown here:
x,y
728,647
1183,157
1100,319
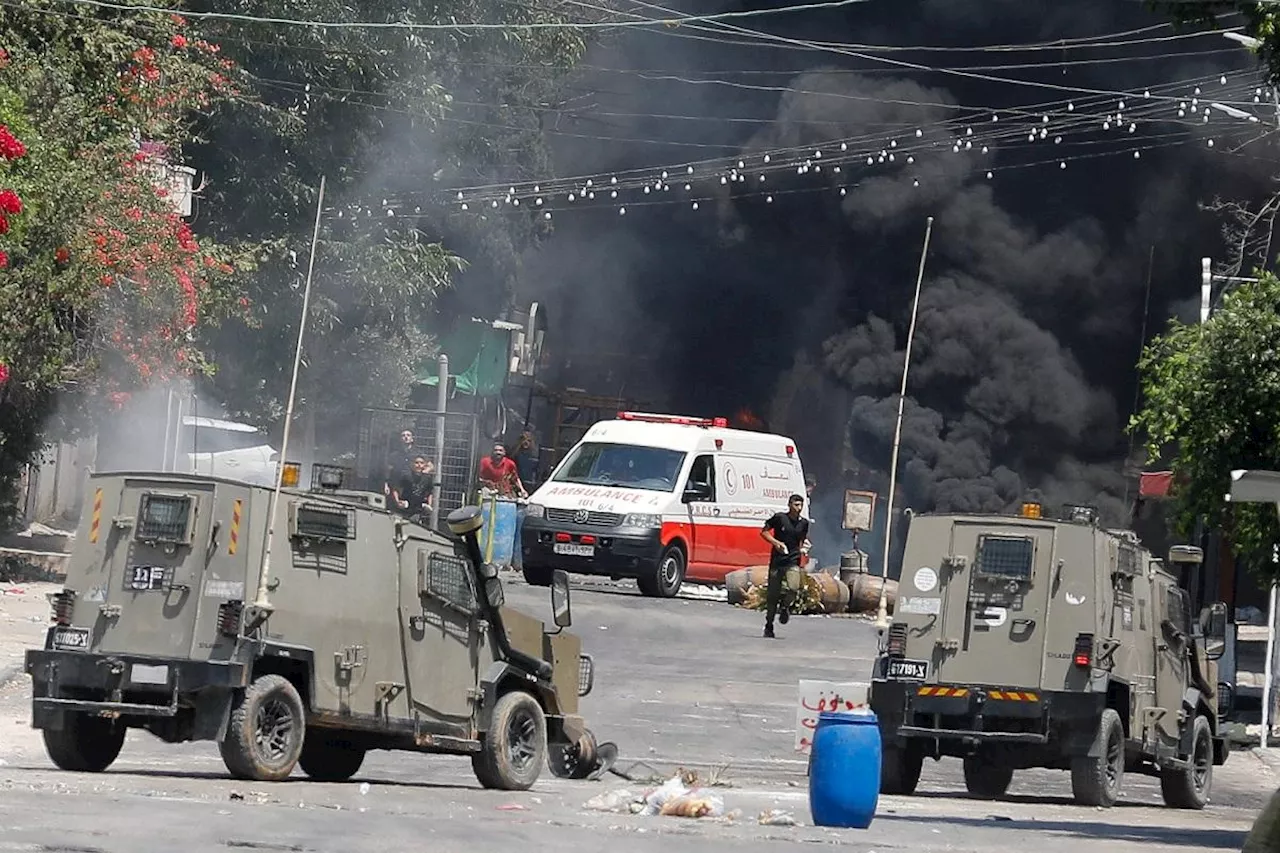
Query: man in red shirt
x,y
499,473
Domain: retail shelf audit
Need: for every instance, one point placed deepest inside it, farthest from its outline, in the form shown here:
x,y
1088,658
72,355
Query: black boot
x,y
768,630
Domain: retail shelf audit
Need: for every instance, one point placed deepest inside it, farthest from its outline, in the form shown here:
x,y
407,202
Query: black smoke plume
x,y
1022,375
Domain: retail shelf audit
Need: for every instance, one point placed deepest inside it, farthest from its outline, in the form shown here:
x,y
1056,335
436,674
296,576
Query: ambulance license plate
x,y
71,638
572,549
907,670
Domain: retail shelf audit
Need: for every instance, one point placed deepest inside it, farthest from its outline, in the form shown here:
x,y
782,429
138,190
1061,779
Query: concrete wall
x,y
53,488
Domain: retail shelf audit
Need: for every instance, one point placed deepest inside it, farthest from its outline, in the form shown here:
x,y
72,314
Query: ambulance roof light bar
x,y
683,420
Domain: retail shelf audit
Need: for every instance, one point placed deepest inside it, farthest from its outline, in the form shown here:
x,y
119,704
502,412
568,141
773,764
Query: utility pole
x,y
882,611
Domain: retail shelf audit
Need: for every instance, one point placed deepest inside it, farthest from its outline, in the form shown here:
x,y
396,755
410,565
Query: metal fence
x,y
379,442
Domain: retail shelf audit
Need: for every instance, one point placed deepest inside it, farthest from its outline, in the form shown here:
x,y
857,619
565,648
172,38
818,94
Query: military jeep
x,y
1025,641
355,630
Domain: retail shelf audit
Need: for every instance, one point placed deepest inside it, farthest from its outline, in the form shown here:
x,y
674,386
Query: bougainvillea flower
x,y
11,148
10,202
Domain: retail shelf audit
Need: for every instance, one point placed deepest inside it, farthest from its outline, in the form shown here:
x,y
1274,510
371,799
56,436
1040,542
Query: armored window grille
x,y
164,518
445,576
1177,608
1126,561
317,521
1006,557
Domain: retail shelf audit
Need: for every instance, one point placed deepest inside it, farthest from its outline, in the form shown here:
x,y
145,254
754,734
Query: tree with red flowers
x,y
104,287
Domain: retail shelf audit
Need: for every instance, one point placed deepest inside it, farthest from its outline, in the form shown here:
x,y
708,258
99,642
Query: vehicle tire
x,y
667,576
85,744
1096,781
900,768
327,757
514,748
1189,788
537,575
988,781
266,731
573,760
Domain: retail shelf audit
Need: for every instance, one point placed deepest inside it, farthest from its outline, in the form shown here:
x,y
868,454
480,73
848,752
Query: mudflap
x,y
565,729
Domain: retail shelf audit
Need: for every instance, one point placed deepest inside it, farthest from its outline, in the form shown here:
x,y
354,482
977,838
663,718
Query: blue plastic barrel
x,y
844,770
498,535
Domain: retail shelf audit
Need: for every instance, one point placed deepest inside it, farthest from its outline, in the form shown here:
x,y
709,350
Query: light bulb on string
x,y
893,143
741,165
571,197
1057,140
588,182
591,195
417,209
666,188
1121,105
769,199
1197,90
723,180
495,203
988,176
1146,93
871,161
1182,113
1106,125
915,182
968,145
1223,79
1044,119
536,189
910,160
843,191
1137,155
688,187
968,131
766,159
547,215
1044,133
817,155
613,180
1133,127
919,133
613,194
464,206
664,174
1063,164
1071,107
695,205
985,149
647,190
1210,143
516,202
762,179
689,171
459,196
622,211
1031,137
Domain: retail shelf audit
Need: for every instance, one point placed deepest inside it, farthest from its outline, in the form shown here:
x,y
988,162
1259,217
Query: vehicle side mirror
x,y
561,613
493,591
697,492
1214,621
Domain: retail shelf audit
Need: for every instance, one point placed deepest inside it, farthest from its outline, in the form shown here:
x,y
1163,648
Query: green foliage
x,y
382,114
1211,404
102,283
1260,22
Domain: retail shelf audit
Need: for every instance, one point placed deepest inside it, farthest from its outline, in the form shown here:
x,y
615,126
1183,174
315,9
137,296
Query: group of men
x,y
410,477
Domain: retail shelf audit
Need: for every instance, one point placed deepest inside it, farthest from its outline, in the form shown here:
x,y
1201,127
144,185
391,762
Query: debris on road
x,y
679,796
776,817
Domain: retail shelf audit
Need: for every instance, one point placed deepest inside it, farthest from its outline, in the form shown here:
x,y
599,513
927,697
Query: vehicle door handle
x,y
1030,623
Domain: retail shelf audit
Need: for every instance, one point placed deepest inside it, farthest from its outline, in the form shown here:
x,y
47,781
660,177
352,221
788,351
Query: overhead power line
x,y
675,20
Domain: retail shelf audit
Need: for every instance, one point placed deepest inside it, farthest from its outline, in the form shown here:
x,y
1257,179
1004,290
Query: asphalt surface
x,y
682,683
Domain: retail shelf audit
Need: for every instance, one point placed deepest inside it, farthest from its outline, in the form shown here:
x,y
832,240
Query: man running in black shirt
x,y
786,532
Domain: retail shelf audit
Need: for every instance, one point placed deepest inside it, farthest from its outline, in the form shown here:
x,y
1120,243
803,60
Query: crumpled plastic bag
x,y
612,801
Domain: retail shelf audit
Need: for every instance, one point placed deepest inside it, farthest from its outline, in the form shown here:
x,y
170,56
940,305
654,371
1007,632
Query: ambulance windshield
x,y
623,466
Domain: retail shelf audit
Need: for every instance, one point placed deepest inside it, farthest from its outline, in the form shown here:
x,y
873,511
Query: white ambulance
x,y
662,499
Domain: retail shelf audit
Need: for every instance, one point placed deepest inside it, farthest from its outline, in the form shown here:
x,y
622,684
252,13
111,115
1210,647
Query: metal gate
x,y
379,440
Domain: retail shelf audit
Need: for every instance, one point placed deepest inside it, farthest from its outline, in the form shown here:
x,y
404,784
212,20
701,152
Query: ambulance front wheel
x,y
667,576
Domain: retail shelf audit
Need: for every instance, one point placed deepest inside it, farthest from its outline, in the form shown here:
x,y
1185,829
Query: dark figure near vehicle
x,y
786,532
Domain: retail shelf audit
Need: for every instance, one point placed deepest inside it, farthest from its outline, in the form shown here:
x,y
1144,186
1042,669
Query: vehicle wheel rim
x,y
1115,757
670,570
275,729
521,734
1202,764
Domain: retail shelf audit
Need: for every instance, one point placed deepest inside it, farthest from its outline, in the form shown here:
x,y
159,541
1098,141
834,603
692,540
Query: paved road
x,y
679,683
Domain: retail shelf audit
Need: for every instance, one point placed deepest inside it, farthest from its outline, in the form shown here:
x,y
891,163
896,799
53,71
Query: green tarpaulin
x,y
478,355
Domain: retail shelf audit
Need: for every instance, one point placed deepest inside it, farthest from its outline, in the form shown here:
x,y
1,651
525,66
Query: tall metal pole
x,y
882,612
442,406
261,601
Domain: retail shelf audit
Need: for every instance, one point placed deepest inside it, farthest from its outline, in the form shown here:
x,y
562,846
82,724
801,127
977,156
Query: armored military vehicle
x,y
1024,641
367,631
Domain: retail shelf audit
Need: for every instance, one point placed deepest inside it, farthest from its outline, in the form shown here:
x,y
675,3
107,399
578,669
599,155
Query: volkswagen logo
x,y
581,516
